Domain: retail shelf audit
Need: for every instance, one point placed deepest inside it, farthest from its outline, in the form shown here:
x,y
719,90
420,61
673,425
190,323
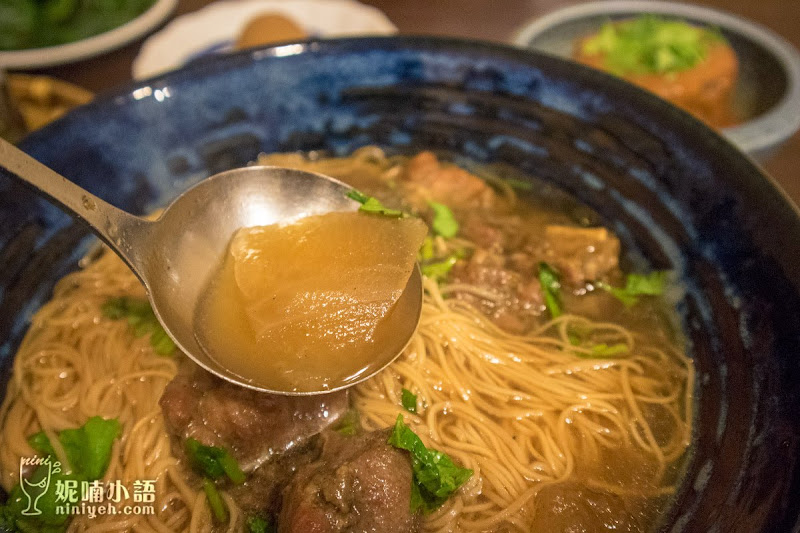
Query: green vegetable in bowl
x,y
215,502
142,321
444,222
28,24
257,524
651,45
88,450
213,462
409,401
435,476
551,287
637,285
371,205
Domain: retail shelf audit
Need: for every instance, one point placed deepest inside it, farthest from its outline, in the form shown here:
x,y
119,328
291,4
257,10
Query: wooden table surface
x,y
493,20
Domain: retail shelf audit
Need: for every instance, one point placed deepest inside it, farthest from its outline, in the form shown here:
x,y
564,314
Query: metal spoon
x,y
175,255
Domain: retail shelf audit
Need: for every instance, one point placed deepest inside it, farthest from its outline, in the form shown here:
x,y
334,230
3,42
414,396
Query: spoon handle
x,y
123,232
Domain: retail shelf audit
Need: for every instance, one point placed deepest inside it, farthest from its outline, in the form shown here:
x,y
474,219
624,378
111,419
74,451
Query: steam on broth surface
x,y
550,377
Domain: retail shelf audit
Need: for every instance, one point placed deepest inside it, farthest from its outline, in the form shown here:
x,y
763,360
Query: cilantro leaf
x,y
88,448
444,222
349,424
652,284
651,44
358,196
88,451
435,476
637,285
50,520
577,337
551,286
256,524
603,350
370,204
574,338
41,444
409,401
142,320
439,270
373,205
213,462
426,251
520,185
215,502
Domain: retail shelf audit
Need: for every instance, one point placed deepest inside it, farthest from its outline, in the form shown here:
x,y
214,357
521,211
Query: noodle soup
x,y
547,386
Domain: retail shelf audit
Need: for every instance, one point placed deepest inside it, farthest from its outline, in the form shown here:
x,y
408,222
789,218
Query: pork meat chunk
x,y
253,425
582,254
360,484
426,178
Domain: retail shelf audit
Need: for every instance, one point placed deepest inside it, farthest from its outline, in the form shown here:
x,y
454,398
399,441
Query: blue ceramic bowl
x,y
679,196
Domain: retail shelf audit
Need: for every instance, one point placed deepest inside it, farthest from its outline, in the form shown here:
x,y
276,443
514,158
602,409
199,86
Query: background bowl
x,y
678,195
767,93
90,46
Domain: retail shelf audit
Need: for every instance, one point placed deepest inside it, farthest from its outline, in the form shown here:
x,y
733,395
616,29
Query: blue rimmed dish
x,y
679,196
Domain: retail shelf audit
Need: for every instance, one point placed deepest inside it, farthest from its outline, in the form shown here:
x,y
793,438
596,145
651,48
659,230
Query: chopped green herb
x,y
439,270
603,350
256,524
88,451
651,45
652,284
142,321
88,448
13,515
426,251
373,205
577,336
520,185
358,196
551,286
26,24
215,502
409,401
573,337
370,204
213,462
444,222
637,285
41,443
349,424
435,476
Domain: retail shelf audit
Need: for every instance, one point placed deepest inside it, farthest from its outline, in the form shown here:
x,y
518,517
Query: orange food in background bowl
x,y
269,28
692,67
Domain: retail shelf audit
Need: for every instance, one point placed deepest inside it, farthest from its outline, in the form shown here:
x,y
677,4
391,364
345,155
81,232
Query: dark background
x,y
493,20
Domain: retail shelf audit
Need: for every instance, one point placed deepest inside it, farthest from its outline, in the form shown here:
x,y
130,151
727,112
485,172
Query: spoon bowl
x,y
176,255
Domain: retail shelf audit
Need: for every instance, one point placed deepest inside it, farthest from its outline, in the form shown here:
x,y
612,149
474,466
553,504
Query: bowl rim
x,y
759,134
745,176
213,64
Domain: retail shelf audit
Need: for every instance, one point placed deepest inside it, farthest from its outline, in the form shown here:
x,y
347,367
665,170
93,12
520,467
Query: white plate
x,y
91,46
215,28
